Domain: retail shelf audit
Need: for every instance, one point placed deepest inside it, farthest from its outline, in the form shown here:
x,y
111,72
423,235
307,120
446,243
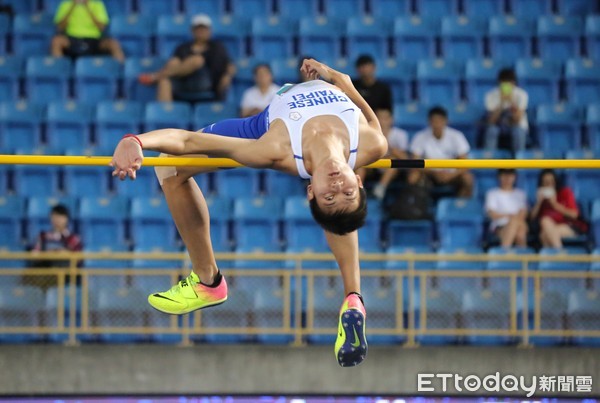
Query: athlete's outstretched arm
x,y
128,156
345,250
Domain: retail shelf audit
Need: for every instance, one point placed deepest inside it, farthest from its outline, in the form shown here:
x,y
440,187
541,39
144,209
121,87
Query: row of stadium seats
x,y
252,222
346,8
261,305
431,81
271,37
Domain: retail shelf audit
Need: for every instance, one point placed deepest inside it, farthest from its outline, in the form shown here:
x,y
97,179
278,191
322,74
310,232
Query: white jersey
x,y
295,104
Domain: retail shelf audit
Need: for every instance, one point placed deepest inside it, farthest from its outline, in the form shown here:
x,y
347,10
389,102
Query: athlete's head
x,y
59,217
201,28
337,199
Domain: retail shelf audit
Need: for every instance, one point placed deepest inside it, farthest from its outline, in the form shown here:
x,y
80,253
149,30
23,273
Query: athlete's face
x,y
335,187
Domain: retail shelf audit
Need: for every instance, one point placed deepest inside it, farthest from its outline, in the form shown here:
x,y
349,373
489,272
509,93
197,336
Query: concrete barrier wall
x,y
152,369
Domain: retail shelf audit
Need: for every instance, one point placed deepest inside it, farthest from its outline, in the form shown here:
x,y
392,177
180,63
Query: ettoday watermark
x,y
504,383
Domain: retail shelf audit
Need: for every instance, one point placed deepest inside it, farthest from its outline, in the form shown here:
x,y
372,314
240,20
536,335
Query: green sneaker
x,y
351,343
188,295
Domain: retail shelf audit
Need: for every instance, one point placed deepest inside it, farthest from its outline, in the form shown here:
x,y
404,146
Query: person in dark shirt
x,y
377,93
199,70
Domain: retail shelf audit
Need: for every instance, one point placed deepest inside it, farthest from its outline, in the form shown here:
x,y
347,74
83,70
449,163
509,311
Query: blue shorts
x,y
252,127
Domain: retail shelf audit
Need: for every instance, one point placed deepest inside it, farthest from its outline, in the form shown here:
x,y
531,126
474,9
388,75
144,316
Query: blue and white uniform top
x,y
295,104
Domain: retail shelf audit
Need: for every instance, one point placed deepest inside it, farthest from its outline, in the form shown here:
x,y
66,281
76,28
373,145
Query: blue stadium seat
x,y
510,37
410,117
443,307
235,314
583,81
528,178
481,76
120,307
256,222
309,264
38,212
10,72
47,78
467,119
410,233
277,183
438,81
328,293
558,37
96,78
163,115
459,222
285,70
592,36
134,33
563,284
595,219
208,113
238,182
381,298
584,183
540,78
145,184
32,34
152,282
436,8
157,7
370,233
220,213
592,124
344,9
482,8
22,6
272,37
102,221
20,125
462,37
577,7
171,31
36,180
4,173
68,124
51,312
133,89
20,306
113,120
552,307
583,313
398,74
12,209
319,37
210,7
85,181
232,31
530,8
243,263
423,249
414,37
151,223
116,7
268,312
5,28
486,309
458,283
382,9
297,9
300,229
559,128
251,8
365,35
508,264
244,75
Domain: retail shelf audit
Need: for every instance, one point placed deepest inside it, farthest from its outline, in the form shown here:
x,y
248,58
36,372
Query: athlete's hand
x,y
127,158
315,70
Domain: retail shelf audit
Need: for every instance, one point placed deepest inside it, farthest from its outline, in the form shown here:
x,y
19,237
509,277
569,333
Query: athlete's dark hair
x,y
60,209
341,223
437,110
507,74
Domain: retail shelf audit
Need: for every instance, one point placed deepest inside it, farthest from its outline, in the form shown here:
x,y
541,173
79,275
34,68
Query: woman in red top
x,y
555,209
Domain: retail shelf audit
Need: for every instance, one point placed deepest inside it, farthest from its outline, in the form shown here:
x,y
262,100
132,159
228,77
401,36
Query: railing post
x,y
411,303
72,340
525,296
298,303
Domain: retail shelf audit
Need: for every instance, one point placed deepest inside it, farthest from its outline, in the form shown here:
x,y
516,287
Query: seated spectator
x,y
397,148
81,25
556,211
439,141
506,206
199,70
506,106
377,93
255,99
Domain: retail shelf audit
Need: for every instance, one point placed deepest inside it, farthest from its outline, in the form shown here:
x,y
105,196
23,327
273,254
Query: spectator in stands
x,y
506,206
81,25
556,211
397,149
506,106
255,99
377,93
439,141
199,70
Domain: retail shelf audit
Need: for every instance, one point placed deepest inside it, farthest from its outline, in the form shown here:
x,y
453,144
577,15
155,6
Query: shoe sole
x,y
349,355
188,310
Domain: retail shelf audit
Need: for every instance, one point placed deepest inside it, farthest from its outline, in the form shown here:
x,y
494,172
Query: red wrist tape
x,y
133,136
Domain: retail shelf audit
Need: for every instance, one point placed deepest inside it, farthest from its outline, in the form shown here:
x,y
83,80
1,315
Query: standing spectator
x,y
397,149
556,211
506,206
255,99
81,25
199,70
439,141
377,93
506,106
